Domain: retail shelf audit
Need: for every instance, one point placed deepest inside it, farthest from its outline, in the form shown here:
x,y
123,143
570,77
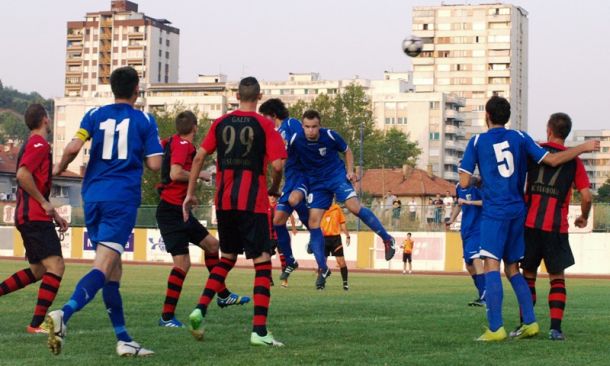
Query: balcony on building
x,y
75,34
451,176
135,35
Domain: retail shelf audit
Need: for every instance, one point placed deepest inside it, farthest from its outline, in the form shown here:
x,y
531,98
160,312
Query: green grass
x,y
382,320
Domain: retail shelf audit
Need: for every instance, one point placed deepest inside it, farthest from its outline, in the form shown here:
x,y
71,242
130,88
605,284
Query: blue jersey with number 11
x,y
501,156
121,137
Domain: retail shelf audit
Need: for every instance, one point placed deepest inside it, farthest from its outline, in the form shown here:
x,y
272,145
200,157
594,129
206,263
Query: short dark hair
x,y
274,107
34,115
409,234
249,89
123,82
185,122
312,114
560,124
498,109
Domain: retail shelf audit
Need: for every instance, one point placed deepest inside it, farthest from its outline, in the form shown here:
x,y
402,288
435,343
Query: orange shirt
x,y
332,220
408,244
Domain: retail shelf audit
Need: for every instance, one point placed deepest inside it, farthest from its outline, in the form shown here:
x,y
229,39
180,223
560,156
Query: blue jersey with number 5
x,y
501,156
121,137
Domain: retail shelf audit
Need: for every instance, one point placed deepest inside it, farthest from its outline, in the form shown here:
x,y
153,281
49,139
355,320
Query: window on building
x,y
167,42
166,54
435,105
435,136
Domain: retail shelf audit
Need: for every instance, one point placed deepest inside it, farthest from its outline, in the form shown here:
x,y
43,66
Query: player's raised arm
x,y
558,158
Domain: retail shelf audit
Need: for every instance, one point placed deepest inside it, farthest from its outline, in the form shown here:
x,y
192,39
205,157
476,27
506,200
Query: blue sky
x,y
569,65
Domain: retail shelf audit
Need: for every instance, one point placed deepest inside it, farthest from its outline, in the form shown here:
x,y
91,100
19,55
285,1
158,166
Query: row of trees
x,y
13,104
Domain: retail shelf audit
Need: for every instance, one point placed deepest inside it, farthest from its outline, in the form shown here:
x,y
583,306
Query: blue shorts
x,y
321,192
296,182
110,223
503,239
472,247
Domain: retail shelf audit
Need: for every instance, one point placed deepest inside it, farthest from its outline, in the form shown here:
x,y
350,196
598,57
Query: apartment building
x,y
119,37
474,52
597,164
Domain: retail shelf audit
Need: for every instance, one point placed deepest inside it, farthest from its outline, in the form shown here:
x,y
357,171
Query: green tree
x,y
13,127
166,123
603,193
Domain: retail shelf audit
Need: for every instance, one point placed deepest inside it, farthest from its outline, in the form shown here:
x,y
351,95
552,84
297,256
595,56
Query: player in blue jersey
x,y
122,139
470,202
294,190
329,177
501,157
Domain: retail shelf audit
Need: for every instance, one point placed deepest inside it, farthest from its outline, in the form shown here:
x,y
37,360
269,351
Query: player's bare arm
x,y
190,200
558,158
277,167
70,152
178,174
585,208
26,181
465,179
349,165
346,232
154,162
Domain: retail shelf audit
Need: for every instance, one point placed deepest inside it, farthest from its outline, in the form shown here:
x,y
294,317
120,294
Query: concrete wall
x,y
433,251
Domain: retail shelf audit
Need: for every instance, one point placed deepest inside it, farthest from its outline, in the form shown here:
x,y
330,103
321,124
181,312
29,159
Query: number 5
x,y
506,164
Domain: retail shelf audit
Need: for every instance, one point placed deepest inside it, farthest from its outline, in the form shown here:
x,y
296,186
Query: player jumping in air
x,y
318,149
177,160
501,156
295,186
122,139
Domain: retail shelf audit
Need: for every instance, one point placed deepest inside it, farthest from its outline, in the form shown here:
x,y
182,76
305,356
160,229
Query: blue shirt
x,y
288,130
320,158
470,213
501,156
121,138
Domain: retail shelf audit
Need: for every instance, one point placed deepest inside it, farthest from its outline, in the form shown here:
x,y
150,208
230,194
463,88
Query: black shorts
x,y
553,247
243,231
333,245
40,240
274,247
176,233
407,257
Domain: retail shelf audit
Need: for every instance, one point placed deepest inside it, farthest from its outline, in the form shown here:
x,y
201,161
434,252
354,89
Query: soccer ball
x,y
412,46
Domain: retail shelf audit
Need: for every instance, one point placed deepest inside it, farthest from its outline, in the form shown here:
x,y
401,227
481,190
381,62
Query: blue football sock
x,y
84,292
369,218
283,242
494,296
317,246
114,307
479,282
524,297
303,213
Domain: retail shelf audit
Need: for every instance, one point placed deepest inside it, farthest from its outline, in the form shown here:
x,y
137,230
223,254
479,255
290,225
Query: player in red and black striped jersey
x,y
244,142
176,233
34,217
548,194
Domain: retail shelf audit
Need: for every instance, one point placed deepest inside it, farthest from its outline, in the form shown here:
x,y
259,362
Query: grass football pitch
x,y
384,319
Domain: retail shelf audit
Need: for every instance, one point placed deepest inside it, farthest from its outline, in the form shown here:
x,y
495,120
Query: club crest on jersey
x,y
468,197
322,151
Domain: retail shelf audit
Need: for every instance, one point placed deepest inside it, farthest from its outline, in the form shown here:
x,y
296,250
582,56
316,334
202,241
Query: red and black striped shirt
x,y
549,190
245,142
35,156
180,152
